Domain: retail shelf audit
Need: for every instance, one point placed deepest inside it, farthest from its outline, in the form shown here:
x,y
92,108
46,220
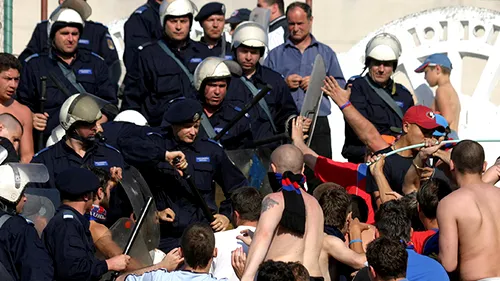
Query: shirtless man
x,y
10,68
291,221
468,217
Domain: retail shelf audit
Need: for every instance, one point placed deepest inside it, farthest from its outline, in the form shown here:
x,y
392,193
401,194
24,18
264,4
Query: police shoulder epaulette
x,y
42,151
154,134
96,55
214,142
44,21
141,47
141,9
355,77
30,57
112,147
30,222
68,215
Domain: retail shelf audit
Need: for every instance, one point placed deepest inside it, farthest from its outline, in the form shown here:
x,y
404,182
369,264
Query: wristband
x,y
355,241
348,103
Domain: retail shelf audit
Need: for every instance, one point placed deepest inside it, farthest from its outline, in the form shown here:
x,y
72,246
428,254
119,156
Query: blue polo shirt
x,y
422,268
287,59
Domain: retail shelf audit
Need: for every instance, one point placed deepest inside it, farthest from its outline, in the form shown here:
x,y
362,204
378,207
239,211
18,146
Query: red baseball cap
x,y
421,115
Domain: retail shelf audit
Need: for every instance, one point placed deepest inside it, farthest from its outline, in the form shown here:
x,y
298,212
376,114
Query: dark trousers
x,y
321,143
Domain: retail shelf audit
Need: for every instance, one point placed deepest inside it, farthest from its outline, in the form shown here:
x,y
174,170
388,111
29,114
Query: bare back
x,y
23,114
287,246
474,211
448,104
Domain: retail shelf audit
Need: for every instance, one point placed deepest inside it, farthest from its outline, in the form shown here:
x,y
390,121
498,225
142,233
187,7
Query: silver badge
x,y
223,9
196,117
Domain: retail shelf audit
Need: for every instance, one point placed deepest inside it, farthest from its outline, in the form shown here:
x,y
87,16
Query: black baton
x,y
206,211
41,109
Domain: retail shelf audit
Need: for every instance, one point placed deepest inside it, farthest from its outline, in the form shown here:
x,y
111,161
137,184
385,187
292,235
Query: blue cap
x,y
435,59
212,8
183,110
443,123
239,16
76,181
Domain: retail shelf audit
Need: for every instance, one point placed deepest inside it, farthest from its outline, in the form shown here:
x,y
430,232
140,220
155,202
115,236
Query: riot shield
x,y
314,94
261,16
254,164
39,207
149,236
3,154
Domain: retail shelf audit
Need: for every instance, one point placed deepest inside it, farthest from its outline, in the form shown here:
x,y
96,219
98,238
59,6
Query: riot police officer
x,y
94,38
376,96
67,236
211,79
211,18
142,26
22,254
163,69
67,70
207,164
78,148
249,44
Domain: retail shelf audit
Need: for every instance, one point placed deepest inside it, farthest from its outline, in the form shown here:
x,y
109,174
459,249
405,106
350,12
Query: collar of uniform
x,y
389,85
276,20
257,76
314,42
79,55
154,5
202,40
189,44
182,146
79,216
62,149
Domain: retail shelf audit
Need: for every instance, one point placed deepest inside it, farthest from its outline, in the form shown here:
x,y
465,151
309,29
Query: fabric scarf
x,y
333,231
97,214
294,214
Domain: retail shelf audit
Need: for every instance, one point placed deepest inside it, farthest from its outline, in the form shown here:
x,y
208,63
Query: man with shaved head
x,y
469,228
11,131
291,222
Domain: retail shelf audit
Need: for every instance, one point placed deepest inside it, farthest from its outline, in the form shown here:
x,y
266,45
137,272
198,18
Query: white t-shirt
x,y
226,242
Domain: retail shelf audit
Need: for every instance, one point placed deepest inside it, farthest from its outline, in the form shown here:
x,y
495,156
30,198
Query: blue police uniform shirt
x,y
375,110
156,79
60,156
217,49
90,71
69,242
22,252
208,164
279,99
141,27
94,38
287,60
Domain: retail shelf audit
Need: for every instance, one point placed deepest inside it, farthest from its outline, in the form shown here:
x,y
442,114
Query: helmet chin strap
x,y
87,142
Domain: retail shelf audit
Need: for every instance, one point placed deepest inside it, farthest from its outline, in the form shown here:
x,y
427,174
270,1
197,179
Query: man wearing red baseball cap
x,y
388,174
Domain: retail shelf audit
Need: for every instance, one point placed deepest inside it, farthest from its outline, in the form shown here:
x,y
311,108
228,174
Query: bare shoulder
x,y
446,90
21,111
459,197
98,230
272,200
310,200
331,242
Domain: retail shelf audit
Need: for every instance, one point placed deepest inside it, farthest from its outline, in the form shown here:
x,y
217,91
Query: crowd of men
x,y
68,137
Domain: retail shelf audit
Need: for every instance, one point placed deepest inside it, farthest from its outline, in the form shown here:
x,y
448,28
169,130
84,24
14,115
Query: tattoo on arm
x,y
267,204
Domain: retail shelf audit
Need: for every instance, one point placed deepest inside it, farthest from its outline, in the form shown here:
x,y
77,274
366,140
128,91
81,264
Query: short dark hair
x,y
248,202
275,271
388,258
335,204
320,189
198,244
306,8
299,271
280,3
359,208
409,202
392,221
103,175
8,61
429,195
468,157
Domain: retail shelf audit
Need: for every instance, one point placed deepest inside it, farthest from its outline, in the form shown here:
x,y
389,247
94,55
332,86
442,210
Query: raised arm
x,y
272,210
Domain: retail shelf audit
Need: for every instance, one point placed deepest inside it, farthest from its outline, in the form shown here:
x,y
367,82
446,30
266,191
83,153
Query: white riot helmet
x,y
210,68
176,8
80,107
250,34
131,116
63,18
383,47
15,176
